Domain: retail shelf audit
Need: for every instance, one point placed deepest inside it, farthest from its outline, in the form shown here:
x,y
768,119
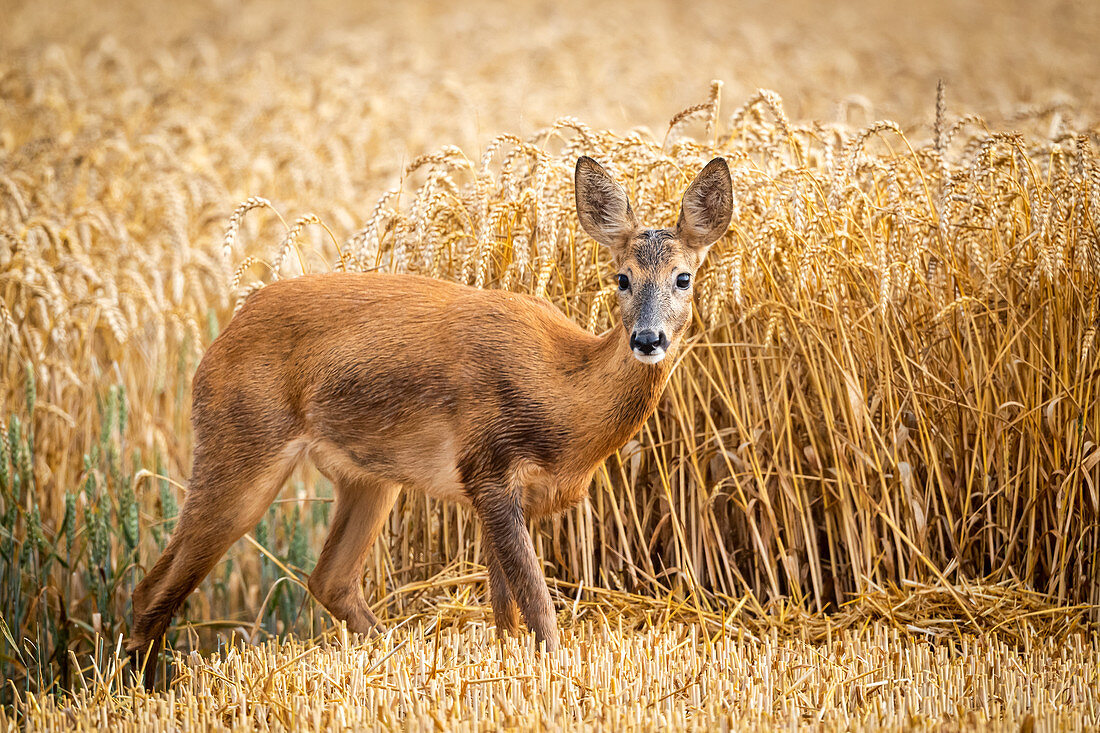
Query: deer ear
x,y
602,206
707,207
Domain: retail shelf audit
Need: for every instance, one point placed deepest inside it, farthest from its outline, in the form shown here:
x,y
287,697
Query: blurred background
x,y
422,74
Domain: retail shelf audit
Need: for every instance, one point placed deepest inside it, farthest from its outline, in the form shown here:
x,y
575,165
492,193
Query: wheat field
x,y
671,678
876,463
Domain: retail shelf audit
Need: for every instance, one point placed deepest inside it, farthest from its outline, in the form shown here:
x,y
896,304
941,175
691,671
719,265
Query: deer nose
x,y
647,342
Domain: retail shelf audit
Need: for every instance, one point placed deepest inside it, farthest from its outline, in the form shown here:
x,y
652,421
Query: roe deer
x,y
387,381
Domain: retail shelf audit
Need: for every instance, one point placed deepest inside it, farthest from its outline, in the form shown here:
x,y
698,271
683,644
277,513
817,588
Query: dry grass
x,y
888,410
667,676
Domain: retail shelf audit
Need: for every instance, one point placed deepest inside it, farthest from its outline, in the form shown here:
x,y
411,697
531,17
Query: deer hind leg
x,y
362,505
501,515
226,499
505,610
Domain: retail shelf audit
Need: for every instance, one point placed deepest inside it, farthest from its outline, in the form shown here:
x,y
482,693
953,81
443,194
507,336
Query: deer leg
x,y
505,610
362,506
502,519
218,510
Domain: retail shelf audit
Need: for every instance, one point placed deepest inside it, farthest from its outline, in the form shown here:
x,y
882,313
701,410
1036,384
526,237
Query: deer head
x,y
656,267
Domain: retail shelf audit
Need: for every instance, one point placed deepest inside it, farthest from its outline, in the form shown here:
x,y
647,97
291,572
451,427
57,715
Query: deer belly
x,y
432,467
418,461
443,484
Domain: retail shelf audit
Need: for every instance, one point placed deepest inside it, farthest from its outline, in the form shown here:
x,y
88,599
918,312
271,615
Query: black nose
x,y
648,341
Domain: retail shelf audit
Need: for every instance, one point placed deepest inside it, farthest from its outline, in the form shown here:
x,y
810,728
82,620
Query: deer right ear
x,y
602,205
707,207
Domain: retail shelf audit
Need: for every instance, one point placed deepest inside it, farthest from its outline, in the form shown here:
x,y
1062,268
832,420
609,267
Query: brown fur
x,y
390,381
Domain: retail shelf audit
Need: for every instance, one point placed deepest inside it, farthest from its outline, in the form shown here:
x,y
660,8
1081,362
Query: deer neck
x,y
620,391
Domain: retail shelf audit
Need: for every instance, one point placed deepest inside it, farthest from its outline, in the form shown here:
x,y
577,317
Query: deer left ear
x,y
603,208
707,207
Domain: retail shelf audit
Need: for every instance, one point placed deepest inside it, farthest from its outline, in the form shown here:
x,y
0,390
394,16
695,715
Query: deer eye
x,y
683,281
624,282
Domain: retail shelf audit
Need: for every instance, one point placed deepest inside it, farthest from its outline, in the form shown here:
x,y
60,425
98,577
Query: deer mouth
x,y
651,358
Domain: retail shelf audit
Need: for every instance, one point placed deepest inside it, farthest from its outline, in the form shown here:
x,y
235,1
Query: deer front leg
x,y
512,550
505,610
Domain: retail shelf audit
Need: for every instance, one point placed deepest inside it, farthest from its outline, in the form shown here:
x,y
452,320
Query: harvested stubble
x,y
670,677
